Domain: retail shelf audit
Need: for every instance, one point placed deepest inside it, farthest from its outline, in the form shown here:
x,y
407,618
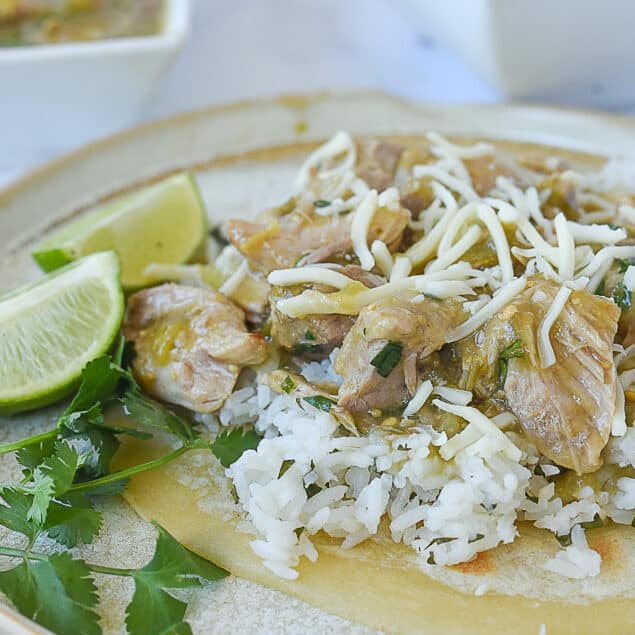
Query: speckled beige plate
x,y
259,144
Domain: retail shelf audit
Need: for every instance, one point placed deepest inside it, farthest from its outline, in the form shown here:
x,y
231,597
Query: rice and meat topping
x,y
438,340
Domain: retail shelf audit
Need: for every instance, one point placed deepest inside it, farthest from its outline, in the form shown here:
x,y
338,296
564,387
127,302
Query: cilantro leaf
x,y
14,513
31,456
153,610
57,593
320,402
622,296
515,349
151,414
54,476
81,420
229,446
73,520
99,383
110,489
387,358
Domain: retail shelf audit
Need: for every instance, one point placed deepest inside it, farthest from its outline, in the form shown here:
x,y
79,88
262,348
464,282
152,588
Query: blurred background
x,y
56,94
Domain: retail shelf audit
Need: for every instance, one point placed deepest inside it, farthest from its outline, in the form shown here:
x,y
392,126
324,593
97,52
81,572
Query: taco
x,y
420,368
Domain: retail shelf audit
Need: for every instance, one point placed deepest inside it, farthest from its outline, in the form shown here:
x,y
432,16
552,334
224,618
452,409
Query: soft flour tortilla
x,y
377,583
384,585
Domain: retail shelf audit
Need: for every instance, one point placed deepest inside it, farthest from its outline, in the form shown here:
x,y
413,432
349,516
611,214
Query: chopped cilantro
x,y
622,296
626,263
565,540
593,524
309,336
601,288
320,402
321,203
312,490
476,538
285,466
287,385
229,445
533,499
515,349
439,541
387,358
538,471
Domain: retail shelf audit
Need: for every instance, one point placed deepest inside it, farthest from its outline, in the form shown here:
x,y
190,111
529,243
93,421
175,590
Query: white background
x,y
248,48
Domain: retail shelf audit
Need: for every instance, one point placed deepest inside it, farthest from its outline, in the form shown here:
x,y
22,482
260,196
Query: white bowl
x,y
568,51
54,97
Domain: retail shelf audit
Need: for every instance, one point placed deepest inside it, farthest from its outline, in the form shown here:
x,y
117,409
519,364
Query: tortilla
x,y
378,583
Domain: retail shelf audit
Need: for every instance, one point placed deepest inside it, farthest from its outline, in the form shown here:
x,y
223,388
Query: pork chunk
x,y
419,326
190,344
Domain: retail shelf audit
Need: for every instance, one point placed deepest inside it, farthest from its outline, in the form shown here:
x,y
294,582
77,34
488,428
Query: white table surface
x,y
250,48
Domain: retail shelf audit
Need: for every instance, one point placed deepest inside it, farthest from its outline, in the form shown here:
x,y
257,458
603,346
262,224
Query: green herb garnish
x,y
601,288
538,471
625,264
284,467
439,541
593,524
613,226
622,296
56,498
319,402
565,540
476,538
533,499
386,360
515,349
287,384
229,445
309,336
321,203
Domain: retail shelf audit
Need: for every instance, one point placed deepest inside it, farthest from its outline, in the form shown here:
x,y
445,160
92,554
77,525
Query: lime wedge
x,y
50,329
162,223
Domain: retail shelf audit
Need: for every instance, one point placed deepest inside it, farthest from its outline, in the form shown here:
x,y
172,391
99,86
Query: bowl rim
x,y
175,29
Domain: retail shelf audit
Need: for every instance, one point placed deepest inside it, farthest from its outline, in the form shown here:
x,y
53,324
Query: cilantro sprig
x,y
64,471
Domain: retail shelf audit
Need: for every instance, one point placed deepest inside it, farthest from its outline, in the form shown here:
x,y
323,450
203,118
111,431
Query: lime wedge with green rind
x,y
50,330
162,223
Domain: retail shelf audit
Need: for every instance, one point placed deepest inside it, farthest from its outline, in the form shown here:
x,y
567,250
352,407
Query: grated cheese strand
x,y
454,395
362,218
419,399
340,143
618,425
485,426
383,257
445,147
629,278
401,268
452,182
502,297
591,233
449,256
230,286
566,247
545,349
488,217
301,275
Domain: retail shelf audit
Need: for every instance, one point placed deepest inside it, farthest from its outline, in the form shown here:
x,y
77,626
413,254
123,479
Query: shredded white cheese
x,y
545,349
383,257
488,217
618,426
442,147
448,256
452,182
596,233
484,426
419,399
502,297
340,143
302,275
454,395
401,268
566,247
362,218
230,286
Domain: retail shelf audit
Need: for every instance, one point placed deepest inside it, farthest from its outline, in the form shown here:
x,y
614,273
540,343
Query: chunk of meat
x,y
568,408
190,344
377,163
419,325
282,242
315,333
